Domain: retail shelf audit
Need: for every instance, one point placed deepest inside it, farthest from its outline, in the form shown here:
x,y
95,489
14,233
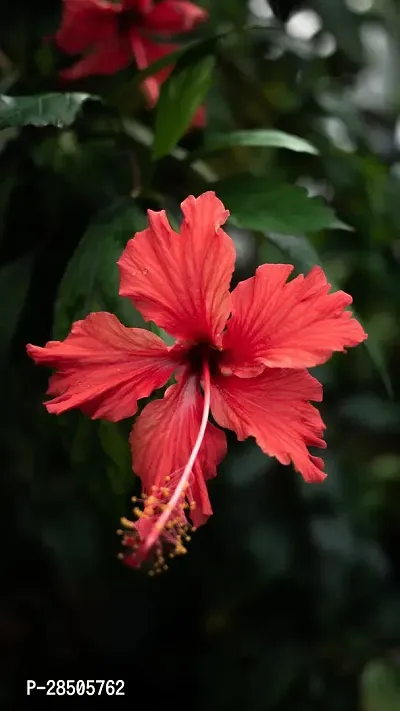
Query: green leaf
x,y
184,54
257,138
15,280
41,109
105,445
180,97
162,63
261,204
123,91
305,256
380,687
91,280
299,249
116,447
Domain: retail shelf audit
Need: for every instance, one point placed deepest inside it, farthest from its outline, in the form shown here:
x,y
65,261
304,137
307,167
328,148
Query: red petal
x,y
103,368
273,407
181,281
200,118
108,58
146,52
292,325
173,16
162,440
85,23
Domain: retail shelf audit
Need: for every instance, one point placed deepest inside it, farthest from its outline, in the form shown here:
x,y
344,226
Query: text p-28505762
x,y
80,687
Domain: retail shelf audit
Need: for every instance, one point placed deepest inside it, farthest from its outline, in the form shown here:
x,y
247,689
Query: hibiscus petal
x,y
200,118
163,438
274,408
146,52
181,281
107,58
172,16
85,23
103,368
295,324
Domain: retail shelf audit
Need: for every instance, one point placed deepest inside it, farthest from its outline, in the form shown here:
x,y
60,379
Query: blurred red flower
x,y
241,356
111,34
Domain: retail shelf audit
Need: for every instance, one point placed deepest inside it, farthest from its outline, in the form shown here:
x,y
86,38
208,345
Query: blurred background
x,y
289,598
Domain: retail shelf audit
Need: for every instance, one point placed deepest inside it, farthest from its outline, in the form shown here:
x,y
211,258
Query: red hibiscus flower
x,y
241,356
111,34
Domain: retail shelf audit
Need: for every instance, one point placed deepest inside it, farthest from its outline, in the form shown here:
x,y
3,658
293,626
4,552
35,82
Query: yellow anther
x,y
126,523
138,512
180,549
